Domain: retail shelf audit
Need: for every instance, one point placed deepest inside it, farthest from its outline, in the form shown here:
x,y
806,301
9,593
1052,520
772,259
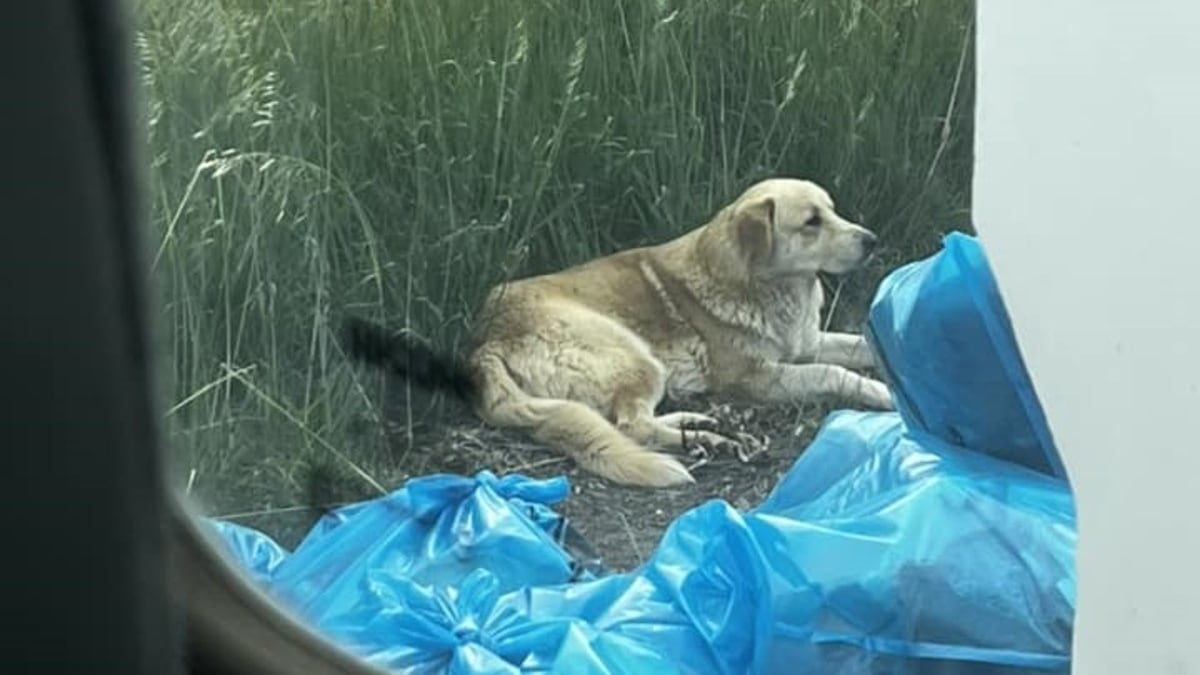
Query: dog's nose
x,y
869,240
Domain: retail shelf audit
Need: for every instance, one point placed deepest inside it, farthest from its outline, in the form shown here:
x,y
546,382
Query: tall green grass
x,y
394,159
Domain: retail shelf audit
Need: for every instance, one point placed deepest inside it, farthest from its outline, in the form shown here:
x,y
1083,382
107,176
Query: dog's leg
x,y
843,349
783,382
635,417
575,427
633,412
699,443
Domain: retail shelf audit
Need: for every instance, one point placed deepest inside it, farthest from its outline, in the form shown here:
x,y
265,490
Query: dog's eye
x,y
814,221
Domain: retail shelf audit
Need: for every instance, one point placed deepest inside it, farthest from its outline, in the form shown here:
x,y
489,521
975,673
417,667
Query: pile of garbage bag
x,y
939,329
933,540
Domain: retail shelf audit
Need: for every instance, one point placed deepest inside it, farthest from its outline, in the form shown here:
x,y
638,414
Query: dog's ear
x,y
754,226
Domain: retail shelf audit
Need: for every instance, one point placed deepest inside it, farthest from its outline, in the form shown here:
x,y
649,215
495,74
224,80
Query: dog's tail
x,y
486,383
406,358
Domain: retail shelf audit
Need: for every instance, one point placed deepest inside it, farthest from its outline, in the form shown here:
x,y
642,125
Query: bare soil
x,y
623,524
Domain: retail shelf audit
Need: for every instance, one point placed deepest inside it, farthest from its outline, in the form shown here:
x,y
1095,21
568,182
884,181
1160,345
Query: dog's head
x,y
786,226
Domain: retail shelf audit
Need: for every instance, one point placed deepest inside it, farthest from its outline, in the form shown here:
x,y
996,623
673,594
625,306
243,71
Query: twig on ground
x,y
279,510
538,464
637,550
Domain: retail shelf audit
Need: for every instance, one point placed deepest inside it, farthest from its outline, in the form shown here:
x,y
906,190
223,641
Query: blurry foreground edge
x,y
233,627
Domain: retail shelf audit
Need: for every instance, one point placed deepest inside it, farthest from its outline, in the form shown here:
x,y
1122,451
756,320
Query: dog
x,y
581,358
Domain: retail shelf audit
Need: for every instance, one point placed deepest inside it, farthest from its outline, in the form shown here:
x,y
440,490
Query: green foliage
x,y
396,158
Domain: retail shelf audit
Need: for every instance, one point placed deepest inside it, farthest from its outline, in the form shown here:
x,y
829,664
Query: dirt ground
x,y
624,525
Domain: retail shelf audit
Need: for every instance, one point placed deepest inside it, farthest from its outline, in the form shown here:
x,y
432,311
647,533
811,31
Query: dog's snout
x,y
869,240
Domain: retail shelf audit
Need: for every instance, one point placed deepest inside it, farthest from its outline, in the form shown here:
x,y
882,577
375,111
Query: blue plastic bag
x,y
411,581
943,337
701,602
881,551
892,551
433,532
257,553
409,628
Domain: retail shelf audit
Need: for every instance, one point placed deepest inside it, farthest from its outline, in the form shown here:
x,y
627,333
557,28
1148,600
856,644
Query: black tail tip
x,y
366,340
400,354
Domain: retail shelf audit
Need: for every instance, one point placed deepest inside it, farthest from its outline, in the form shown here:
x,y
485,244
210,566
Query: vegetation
x,y
394,158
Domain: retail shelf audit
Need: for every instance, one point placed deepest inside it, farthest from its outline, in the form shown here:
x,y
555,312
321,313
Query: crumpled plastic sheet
x,y
941,332
891,546
259,554
899,552
434,532
880,551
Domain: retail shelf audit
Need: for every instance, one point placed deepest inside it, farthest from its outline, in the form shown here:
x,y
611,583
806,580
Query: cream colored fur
x,y
581,358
